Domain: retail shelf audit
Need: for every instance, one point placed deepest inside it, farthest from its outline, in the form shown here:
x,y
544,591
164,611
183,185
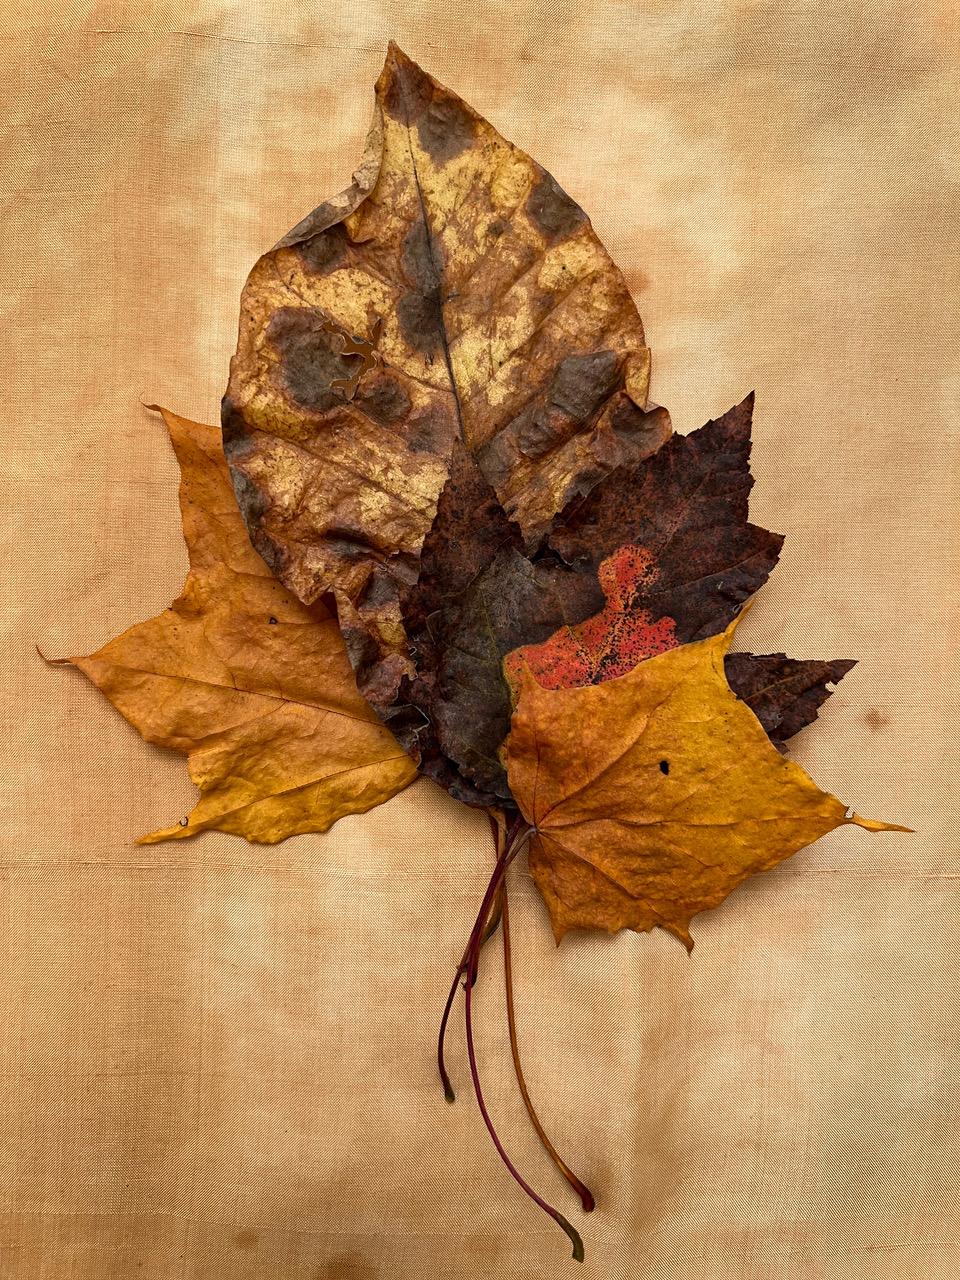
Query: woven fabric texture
x,y
216,1059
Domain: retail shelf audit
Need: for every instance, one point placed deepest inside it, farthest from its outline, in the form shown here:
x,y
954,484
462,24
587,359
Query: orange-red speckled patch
x,y
609,644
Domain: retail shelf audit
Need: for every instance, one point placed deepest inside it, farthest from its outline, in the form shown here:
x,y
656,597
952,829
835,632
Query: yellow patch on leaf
x,y
653,795
251,685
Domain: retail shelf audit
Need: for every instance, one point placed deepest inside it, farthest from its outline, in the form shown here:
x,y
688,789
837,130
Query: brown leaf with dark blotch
x,y
784,693
501,326
653,795
685,511
251,685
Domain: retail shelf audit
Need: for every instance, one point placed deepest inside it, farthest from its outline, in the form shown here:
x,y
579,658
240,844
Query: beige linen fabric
x,y
216,1059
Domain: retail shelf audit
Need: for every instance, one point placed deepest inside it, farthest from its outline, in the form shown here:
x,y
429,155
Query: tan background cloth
x,y
217,1059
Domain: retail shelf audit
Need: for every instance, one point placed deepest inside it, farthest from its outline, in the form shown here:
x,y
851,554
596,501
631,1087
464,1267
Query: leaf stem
x,y
479,934
511,845
583,1191
488,933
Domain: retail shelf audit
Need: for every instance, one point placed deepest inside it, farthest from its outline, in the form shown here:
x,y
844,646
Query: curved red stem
x,y
471,975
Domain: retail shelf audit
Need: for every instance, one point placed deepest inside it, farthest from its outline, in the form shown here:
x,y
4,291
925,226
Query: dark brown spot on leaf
x,y
407,88
309,359
419,312
379,591
325,252
538,431
343,542
445,129
419,318
552,211
233,429
253,503
431,430
384,399
582,383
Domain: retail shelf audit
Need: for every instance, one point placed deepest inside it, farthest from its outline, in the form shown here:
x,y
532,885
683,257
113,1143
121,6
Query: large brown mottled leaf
x,y
486,316
253,686
653,794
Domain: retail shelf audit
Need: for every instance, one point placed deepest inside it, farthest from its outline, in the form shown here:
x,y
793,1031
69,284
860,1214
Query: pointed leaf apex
x,y
873,824
731,628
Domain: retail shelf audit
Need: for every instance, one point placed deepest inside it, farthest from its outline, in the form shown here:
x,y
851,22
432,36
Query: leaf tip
x,y
874,824
55,662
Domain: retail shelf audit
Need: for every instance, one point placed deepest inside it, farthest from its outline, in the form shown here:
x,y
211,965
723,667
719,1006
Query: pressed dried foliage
x,y
438,415
503,329
583,618
251,685
654,794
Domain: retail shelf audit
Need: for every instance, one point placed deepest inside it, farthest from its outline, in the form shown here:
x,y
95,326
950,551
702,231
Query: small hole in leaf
x,y
664,766
273,622
184,822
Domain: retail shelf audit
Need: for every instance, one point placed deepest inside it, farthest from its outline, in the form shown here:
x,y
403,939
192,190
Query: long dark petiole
x,y
488,933
479,934
510,847
586,1196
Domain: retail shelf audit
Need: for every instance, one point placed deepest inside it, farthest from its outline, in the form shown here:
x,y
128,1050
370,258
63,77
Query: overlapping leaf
x,y
784,693
584,618
654,794
501,328
477,598
254,687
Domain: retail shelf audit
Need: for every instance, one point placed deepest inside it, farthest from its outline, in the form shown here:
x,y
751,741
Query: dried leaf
x,y
477,598
254,687
695,560
784,693
501,326
673,548
654,794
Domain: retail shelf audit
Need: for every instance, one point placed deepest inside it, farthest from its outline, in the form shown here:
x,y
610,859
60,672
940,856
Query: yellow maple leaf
x,y
653,795
254,687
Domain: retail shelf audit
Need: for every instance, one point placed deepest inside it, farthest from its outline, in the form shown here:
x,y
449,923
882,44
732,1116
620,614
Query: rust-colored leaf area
x,y
251,685
695,559
613,641
500,326
653,795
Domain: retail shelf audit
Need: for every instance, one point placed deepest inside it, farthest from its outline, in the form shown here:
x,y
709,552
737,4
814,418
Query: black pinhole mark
x,y
664,766
273,621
